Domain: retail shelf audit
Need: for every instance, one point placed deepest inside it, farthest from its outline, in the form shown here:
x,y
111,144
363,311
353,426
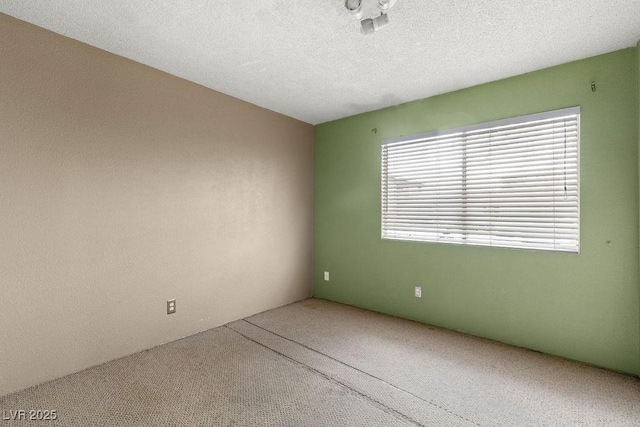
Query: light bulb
x,y
354,7
370,26
385,5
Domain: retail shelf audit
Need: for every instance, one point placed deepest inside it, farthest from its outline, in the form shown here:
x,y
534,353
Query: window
x,y
511,183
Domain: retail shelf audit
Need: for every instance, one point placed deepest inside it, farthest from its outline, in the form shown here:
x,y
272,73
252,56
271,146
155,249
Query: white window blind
x,y
510,183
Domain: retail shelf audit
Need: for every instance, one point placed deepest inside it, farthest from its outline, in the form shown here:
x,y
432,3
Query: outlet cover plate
x,y
417,292
171,306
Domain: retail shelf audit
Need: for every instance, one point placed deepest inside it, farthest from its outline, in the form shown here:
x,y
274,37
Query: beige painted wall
x,y
123,187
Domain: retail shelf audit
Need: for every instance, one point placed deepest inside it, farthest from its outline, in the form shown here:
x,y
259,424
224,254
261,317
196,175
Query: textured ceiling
x,y
307,58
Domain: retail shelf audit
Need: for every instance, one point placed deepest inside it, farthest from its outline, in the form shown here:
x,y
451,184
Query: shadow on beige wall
x,y
122,187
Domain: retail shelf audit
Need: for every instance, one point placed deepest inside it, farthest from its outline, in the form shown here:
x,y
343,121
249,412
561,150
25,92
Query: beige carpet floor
x,y
318,363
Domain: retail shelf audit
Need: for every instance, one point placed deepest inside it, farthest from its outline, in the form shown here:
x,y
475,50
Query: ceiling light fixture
x,y
375,12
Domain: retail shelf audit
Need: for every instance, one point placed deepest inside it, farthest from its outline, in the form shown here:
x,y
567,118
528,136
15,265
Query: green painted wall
x,y
581,306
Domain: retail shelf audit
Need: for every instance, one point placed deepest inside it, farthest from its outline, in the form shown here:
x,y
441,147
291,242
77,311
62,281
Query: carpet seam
x,y
387,409
366,373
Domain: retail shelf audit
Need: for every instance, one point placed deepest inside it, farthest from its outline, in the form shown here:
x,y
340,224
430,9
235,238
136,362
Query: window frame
x,y
486,126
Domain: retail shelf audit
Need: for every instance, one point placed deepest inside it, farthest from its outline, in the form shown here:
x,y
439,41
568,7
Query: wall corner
x,y
637,90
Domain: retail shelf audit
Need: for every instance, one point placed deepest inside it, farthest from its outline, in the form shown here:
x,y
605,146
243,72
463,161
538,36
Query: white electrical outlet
x,y
171,306
326,276
417,292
